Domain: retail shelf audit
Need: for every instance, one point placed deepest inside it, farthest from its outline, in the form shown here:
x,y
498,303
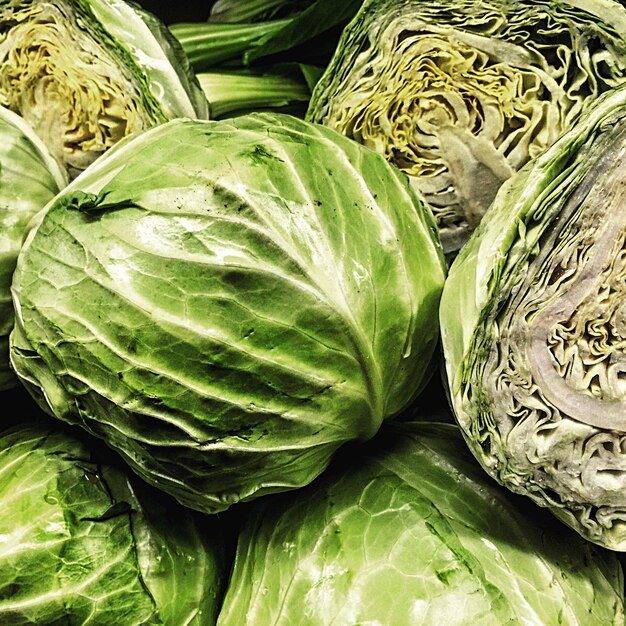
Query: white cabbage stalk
x,y
459,94
533,322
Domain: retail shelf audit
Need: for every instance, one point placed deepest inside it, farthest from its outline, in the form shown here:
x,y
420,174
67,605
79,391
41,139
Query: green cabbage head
x,y
533,322
412,531
29,178
82,544
86,73
227,303
459,94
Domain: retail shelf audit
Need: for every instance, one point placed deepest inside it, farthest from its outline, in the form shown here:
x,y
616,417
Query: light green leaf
x,y
29,178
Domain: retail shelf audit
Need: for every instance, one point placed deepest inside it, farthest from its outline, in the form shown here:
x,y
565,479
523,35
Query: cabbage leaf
x,y
29,178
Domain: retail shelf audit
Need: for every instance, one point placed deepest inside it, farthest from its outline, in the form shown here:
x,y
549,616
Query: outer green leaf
x,y
86,73
79,544
29,178
460,94
533,329
226,303
413,532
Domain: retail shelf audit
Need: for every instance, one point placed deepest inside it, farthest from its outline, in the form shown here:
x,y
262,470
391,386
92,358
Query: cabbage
x,y
86,73
227,302
534,334
82,544
460,94
414,532
29,178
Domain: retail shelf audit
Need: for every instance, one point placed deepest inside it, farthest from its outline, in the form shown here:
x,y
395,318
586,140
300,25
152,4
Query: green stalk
x,y
208,43
231,93
252,10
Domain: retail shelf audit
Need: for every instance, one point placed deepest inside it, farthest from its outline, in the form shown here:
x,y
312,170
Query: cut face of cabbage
x,y
537,365
460,94
87,91
85,74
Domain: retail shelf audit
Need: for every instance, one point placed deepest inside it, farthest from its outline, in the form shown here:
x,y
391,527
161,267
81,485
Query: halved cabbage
x,y
86,73
533,322
459,94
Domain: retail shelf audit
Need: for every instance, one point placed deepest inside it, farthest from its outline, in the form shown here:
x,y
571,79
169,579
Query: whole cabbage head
x,y
459,94
226,303
86,73
412,531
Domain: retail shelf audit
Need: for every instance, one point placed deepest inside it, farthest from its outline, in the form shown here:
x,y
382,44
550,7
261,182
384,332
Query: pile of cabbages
x,y
312,314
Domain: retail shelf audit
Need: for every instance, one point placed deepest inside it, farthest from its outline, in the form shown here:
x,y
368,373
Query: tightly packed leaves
x,y
533,329
87,73
460,94
227,303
